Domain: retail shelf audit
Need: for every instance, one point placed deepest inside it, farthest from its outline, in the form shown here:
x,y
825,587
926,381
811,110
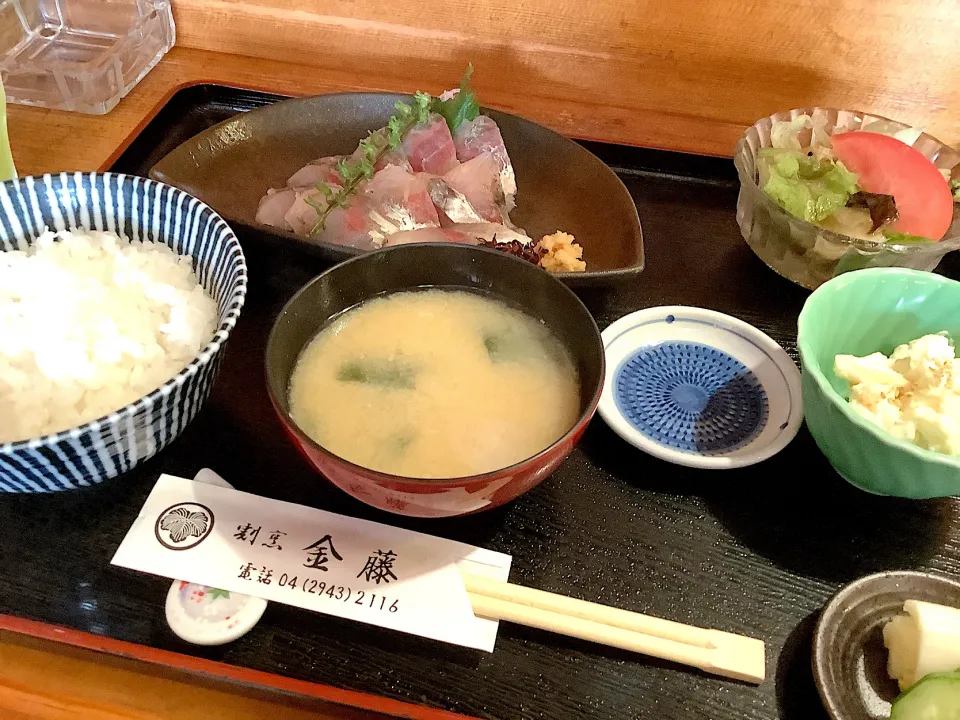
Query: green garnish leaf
x,y
378,371
316,204
899,238
370,151
423,105
395,129
462,107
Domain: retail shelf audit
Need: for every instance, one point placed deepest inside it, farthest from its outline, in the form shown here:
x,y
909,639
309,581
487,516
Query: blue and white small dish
x,y
699,388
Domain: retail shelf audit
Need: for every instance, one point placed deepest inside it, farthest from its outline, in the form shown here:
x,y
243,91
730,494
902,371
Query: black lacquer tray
x,y
754,551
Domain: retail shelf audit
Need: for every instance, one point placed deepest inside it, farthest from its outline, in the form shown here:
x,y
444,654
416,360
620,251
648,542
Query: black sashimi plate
x,y
561,185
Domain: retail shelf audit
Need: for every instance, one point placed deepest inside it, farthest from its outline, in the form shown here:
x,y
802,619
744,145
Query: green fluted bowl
x,y
859,313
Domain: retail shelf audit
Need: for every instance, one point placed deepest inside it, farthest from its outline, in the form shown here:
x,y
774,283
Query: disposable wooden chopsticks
x,y
713,651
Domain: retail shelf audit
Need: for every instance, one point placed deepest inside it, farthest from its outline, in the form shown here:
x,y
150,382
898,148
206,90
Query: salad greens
x,y
786,134
801,174
7,170
804,185
898,238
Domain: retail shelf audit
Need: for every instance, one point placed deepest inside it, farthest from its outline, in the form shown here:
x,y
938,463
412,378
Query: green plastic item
x,y
935,697
859,313
7,170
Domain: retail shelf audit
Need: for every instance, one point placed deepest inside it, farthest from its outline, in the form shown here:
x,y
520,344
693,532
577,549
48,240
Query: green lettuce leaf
x,y
899,238
462,107
804,186
7,170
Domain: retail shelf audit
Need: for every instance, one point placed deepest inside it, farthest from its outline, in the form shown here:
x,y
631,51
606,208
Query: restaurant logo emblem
x,y
184,525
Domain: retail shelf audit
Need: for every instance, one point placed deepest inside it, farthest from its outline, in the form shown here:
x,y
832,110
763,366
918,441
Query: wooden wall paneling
x,y
726,62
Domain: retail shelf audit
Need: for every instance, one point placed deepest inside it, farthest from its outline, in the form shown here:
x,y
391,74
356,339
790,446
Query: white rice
x,y
89,323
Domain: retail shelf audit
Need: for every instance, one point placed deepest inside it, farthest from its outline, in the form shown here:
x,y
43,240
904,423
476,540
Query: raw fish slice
x,y
352,227
430,235
478,180
395,158
273,206
452,206
390,157
466,233
321,170
398,200
301,217
392,201
429,147
479,136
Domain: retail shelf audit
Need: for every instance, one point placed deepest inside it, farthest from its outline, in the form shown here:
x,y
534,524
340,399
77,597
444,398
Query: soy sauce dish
x,y
855,648
370,404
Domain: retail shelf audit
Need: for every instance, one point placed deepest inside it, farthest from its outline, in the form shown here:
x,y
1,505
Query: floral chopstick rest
x,y
205,615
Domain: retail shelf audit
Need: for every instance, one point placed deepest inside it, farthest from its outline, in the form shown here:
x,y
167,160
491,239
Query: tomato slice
x,y
885,165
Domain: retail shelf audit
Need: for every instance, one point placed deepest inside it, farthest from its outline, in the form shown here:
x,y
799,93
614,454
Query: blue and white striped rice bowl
x,y
138,209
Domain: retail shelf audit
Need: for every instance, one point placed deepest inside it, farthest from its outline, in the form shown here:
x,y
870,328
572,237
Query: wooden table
x,y
45,680
54,141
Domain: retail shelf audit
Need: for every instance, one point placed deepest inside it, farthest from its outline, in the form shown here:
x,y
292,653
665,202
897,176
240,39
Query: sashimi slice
x,y
301,217
482,136
430,235
478,179
452,206
351,227
393,201
390,157
429,147
273,206
465,233
400,198
321,170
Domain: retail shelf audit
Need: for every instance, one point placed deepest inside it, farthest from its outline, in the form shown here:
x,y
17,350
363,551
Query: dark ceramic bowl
x,y
562,185
455,266
849,659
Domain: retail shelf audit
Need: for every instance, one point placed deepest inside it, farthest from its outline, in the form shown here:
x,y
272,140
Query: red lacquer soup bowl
x,y
408,267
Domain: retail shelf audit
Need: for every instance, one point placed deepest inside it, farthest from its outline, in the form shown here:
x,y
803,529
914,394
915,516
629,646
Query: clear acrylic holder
x,y
80,55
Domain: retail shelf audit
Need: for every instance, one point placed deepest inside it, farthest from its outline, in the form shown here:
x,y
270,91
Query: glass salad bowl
x,y
810,255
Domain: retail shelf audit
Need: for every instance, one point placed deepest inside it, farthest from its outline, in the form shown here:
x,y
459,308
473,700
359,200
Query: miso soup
x,y
434,384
